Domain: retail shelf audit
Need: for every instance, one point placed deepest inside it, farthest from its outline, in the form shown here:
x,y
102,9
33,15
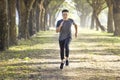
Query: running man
x,y
64,28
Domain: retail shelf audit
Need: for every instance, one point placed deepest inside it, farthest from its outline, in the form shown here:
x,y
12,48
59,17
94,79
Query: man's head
x,y
65,13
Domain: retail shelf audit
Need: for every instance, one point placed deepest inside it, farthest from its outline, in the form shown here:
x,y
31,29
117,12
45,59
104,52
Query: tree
x,y
45,16
34,18
97,6
38,15
84,8
42,12
110,16
24,8
52,9
116,16
12,22
4,39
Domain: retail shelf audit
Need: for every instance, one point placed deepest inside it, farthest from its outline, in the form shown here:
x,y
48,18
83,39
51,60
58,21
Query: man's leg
x,y
61,43
67,42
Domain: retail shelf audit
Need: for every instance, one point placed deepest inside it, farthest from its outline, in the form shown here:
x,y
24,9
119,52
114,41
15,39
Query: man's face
x,y
65,15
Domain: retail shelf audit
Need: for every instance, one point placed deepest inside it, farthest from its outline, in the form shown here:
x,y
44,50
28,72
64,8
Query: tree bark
x,y
37,19
116,16
42,19
110,20
12,23
46,21
34,19
50,20
99,24
110,16
45,17
92,21
24,13
31,22
23,21
4,29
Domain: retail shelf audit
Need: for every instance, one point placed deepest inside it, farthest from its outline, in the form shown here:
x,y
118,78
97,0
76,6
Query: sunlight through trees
x,y
29,48
40,15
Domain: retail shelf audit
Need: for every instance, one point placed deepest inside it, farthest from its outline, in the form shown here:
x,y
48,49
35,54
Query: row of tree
x,y
33,17
113,24
36,15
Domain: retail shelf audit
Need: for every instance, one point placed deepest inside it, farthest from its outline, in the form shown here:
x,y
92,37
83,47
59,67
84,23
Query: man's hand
x,y
76,30
61,24
76,35
59,28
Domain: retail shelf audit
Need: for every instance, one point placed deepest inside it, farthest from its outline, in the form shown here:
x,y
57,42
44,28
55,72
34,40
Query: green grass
x,y
21,54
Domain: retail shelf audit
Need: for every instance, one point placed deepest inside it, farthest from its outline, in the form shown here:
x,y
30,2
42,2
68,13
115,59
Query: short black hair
x,y
65,10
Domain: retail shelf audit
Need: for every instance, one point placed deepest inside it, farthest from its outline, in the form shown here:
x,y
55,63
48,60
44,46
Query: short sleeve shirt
x,y
66,28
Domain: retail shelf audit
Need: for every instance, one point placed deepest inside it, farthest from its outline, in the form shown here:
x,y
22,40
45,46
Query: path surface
x,y
91,58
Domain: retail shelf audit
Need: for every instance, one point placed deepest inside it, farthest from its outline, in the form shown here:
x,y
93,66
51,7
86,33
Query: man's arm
x,y
58,29
76,30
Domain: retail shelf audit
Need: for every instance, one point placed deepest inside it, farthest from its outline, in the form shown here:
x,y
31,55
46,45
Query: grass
x,y
27,59
22,54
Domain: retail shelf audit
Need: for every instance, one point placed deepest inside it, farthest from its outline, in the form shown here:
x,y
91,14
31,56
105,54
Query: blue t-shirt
x,y
66,28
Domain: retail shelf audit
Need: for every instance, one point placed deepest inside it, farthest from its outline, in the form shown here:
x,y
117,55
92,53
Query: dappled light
x,y
91,55
30,48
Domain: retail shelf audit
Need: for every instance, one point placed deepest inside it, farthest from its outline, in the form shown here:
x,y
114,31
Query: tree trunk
x,y
33,19
37,19
98,24
12,23
83,20
92,21
42,19
4,30
41,16
24,13
31,23
110,16
45,17
23,22
45,24
46,21
110,20
50,20
116,16
53,20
